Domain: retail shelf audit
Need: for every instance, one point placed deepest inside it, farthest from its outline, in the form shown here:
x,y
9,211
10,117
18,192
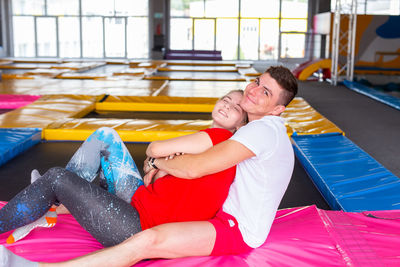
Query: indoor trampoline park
x,y
153,70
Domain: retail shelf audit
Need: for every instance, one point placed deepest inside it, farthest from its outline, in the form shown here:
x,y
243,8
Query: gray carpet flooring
x,y
373,126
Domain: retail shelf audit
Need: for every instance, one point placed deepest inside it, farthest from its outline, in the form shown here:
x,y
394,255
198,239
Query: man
x,y
264,158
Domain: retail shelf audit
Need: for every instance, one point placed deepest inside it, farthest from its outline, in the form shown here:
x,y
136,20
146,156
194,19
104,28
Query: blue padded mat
x,y
348,178
373,93
15,141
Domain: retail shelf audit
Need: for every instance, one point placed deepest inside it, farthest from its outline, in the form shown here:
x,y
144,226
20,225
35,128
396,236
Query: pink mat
x,y
16,101
304,236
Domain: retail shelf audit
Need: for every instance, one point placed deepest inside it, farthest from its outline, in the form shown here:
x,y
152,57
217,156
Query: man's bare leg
x,y
172,240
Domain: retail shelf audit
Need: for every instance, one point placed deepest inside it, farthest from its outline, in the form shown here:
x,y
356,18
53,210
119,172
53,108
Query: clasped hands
x,y
152,174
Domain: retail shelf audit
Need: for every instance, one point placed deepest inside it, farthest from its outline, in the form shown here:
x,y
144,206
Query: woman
x,y
111,219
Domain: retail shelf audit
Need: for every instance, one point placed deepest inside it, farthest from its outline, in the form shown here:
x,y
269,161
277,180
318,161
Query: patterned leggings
x,y
107,215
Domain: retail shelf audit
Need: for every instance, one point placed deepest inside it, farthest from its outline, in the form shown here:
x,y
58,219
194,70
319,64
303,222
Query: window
x,y
81,28
249,33
46,37
24,41
204,34
92,37
227,38
370,7
181,31
251,30
69,39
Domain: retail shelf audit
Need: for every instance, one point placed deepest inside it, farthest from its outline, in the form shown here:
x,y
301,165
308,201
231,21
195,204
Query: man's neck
x,y
257,117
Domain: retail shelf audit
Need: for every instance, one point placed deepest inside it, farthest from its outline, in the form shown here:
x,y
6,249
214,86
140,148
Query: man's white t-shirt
x,y
260,181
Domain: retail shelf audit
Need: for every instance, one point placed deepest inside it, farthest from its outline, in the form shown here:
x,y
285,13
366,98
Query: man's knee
x,y
149,239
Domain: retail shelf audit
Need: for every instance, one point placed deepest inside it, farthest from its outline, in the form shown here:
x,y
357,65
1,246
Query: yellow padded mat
x,y
78,66
133,72
37,60
303,119
199,68
130,130
201,88
5,61
195,76
47,110
49,73
152,64
26,66
199,63
16,76
81,76
157,104
77,87
249,72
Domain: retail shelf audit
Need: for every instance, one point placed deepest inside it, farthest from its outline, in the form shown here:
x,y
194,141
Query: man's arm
x,y
219,157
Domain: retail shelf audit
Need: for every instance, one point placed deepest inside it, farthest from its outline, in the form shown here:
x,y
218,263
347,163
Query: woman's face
x,y
227,112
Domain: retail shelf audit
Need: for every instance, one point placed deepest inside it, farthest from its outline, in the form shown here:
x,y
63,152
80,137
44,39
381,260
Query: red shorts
x,y
229,240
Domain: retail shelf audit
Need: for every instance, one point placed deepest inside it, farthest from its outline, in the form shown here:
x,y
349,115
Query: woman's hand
x,y
146,166
148,178
173,155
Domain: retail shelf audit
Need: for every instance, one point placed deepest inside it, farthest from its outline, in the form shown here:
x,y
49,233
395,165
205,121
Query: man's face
x,y
261,98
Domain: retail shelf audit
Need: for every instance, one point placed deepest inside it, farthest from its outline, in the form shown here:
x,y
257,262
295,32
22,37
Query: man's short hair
x,y
285,78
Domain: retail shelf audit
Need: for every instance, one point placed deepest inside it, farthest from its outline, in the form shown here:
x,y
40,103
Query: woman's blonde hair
x,y
245,117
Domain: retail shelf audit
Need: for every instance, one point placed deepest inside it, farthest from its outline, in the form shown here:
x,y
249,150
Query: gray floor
x,y
373,126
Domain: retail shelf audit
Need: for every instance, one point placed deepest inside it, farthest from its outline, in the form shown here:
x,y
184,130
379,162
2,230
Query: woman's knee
x,y
56,172
105,130
57,175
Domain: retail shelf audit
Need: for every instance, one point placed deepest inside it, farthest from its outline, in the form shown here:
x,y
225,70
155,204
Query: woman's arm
x,y
188,144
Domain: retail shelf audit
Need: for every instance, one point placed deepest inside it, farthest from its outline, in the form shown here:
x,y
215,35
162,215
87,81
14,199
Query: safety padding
x,y
81,76
78,87
136,72
49,73
25,66
16,76
5,62
305,70
157,104
302,236
133,130
195,76
152,64
78,66
249,72
201,88
37,60
199,68
374,94
348,178
304,119
48,109
15,141
199,63
23,86
16,101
